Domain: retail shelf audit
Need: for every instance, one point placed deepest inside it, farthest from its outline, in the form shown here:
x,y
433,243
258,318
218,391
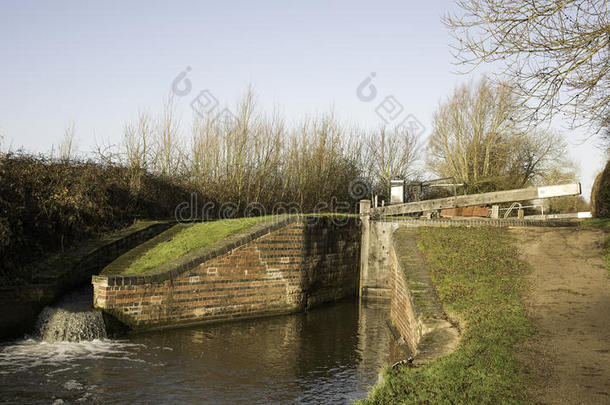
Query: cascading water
x,y
72,319
331,354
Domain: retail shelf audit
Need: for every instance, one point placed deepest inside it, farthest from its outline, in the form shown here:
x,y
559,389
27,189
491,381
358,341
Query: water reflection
x,y
329,355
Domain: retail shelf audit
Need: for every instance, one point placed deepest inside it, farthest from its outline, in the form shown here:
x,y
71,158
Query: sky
x,y
96,64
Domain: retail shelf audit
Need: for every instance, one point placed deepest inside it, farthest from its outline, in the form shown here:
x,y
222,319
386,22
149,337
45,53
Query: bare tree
x,y
136,148
205,155
137,139
391,154
168,144
252,157
478,137
67,146
557,52
106,153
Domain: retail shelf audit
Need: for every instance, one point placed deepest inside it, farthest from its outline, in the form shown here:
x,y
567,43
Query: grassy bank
x,y
177,241
479,278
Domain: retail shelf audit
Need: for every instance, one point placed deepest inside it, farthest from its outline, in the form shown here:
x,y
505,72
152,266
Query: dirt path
x,y
569,303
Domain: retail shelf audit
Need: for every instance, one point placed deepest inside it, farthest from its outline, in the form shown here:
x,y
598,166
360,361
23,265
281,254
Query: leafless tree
x,y
392,153
479,137
254,157
68,145
137,140
556,52
168,147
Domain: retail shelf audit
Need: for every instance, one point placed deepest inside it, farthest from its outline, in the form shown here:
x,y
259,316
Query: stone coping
x,y
192,259
480,222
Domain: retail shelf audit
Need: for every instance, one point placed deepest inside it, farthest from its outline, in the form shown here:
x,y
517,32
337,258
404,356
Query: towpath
x,y
569,304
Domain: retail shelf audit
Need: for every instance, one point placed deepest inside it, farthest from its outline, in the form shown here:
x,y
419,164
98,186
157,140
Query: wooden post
x,y
495,211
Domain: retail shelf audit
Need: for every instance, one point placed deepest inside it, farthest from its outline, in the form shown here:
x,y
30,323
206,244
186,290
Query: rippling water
x,y
331,354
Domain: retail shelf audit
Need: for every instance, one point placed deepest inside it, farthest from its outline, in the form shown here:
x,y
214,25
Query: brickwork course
x,y
288,266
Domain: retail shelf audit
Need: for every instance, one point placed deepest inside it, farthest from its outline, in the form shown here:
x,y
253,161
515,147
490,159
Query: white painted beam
x,y
495,197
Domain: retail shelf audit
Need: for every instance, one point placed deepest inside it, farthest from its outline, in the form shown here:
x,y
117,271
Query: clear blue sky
x,y
97,63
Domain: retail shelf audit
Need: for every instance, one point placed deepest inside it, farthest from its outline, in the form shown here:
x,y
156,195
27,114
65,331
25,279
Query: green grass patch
x,y
178,241
479,278
601,223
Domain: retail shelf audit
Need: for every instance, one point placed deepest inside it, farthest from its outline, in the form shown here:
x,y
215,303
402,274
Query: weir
x,y
72,319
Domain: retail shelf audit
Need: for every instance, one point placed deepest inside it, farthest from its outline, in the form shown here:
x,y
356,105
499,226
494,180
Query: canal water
x,y
331,354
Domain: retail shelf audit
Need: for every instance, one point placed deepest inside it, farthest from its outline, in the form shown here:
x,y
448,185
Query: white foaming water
x,y
73,319
32,353
61,325
66,334
38,372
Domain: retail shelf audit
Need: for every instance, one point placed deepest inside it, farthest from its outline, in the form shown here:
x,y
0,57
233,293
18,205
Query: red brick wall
x,y
471,211
286,270
416,310
402,312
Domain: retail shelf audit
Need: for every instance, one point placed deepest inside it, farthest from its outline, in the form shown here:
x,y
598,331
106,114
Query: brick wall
x,y
279,269
415,309
21,304
471,211
401,309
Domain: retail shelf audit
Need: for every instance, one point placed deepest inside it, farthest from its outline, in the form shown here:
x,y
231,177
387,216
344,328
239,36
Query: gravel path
x,y
569,303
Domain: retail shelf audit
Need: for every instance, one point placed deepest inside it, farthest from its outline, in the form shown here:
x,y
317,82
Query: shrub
x,y
47,205
600,194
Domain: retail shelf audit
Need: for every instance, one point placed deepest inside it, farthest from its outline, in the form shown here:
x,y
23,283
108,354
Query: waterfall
x,y
72,319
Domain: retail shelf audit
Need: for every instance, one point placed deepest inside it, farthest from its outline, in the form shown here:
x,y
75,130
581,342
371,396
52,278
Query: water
x,y
329,355
72,319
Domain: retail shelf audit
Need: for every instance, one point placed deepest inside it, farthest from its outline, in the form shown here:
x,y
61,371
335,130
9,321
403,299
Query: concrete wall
x,y
282,268
375,281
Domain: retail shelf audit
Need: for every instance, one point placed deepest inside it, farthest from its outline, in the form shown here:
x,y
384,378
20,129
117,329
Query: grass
x,y
177,241
602,223
479,278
